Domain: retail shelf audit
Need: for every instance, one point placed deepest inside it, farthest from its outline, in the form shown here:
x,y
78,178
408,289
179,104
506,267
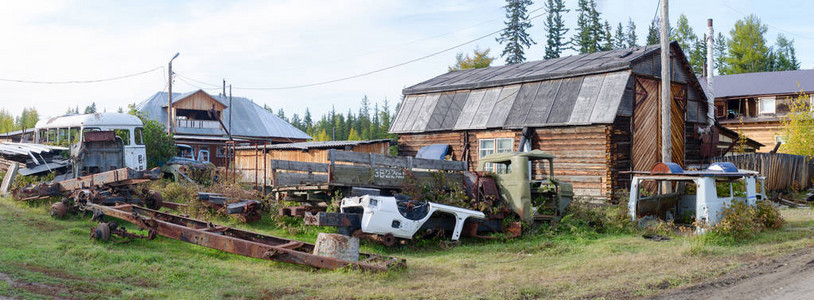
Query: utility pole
x,y
666,99
230,111
169,96
710,69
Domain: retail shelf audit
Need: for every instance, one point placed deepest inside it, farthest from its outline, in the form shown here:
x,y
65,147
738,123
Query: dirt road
x,y
789,277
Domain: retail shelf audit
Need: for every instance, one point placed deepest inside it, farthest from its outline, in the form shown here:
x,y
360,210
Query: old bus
x,y
66,130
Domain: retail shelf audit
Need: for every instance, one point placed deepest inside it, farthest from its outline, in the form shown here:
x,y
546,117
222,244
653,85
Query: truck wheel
x,y
153,200
58,210
102,232
388,240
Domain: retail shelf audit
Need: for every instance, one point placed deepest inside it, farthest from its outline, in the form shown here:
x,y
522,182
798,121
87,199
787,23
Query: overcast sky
x,y
280,44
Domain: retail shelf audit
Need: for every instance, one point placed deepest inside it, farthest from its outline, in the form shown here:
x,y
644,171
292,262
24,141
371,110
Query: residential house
x,y
203,122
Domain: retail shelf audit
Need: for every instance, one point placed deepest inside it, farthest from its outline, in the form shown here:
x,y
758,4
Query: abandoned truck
x,y
692,197
532,196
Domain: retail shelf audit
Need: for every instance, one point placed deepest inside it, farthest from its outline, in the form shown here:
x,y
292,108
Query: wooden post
x,y
666,100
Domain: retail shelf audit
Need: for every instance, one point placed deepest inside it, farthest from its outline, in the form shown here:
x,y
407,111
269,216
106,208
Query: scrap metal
x,y
233,240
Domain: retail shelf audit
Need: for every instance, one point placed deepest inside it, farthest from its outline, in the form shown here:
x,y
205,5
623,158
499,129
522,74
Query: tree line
x,y
26,120
370,122
744,50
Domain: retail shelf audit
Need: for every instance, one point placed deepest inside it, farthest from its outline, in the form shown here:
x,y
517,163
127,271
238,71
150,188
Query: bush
x,y
611,219
740,221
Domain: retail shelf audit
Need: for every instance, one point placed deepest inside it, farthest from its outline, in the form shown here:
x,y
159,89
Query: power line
x,y
374,71
770,25
81,81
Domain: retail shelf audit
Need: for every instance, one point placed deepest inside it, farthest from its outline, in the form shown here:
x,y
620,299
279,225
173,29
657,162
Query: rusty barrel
x,y
337,246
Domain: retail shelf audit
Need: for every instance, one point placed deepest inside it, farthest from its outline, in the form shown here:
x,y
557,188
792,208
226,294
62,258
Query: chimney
x,y
710,69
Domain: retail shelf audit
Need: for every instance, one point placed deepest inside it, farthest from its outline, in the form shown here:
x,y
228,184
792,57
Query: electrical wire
x,y
81,81
373,71
770,25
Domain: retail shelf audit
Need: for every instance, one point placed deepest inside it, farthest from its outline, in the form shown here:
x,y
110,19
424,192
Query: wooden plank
x,y
414,112
503,106
289,179
381,177
404,113
610,97
646,134
298,166
564,103
586,99
398,161
677,110
469,109
454,111
542,103
522,105
485,108
424,114
448,165
440,111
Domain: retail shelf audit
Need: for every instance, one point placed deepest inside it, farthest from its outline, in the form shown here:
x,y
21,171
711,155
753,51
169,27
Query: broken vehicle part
x,y
236,241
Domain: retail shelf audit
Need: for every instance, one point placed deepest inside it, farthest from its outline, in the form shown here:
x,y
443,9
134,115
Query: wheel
x,y
388,240
58,210
102,232
153,200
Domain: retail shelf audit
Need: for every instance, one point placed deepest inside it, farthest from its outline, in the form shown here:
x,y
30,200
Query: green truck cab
x,y
534,197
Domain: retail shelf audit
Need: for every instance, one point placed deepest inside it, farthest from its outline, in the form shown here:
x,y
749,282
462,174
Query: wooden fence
x,y
782,171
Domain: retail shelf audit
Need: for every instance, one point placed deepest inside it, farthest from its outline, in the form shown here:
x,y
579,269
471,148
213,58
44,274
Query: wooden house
x,y
200,120
755,103
597,113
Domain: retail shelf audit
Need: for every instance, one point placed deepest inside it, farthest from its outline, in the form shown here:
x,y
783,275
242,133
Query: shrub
x,y
740,221
611,219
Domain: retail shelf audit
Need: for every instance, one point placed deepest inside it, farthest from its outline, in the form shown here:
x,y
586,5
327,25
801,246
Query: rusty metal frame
x,y
238,241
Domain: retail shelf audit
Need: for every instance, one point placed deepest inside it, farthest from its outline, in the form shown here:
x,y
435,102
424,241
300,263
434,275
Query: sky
x,y
279,53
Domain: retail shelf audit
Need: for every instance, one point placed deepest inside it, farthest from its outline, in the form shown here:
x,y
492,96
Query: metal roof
x,y
314,145
569,66
249,119
581,100
761,83
99,119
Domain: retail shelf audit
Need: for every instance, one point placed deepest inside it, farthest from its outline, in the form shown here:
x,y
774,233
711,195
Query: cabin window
x,y
767,105
138,135
220,151
124,134
492,146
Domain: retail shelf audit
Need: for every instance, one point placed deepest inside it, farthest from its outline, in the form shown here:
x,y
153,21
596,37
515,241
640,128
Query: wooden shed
x,y
251,162
597,113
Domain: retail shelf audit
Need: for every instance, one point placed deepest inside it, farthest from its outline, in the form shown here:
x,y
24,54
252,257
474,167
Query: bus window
x,y
74,134
138,136
63,136
124,134
52,136
42,136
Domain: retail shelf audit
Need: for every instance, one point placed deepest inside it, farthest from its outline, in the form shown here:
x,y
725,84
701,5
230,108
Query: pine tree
x,y
630,38
698,55
281,114
747,47
589,31
91,109
606,37
653,37
555,26
719,51
307,120
683,34
514,35
785,59
619,41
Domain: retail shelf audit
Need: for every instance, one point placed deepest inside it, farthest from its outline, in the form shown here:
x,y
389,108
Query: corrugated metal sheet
x,y
761,83
577,101
249,119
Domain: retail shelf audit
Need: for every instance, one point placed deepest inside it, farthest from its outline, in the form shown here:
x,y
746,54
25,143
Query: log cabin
x,y
598,113
200,120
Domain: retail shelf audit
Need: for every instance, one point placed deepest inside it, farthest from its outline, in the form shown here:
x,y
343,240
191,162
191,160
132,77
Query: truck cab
x,y
527,185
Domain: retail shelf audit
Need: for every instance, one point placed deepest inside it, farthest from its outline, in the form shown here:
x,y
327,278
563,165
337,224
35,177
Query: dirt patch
x,y
791,276
76,287
278,293
47,271
52,290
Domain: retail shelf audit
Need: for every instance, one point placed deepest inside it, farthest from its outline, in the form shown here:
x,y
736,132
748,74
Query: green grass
x,y
43,258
